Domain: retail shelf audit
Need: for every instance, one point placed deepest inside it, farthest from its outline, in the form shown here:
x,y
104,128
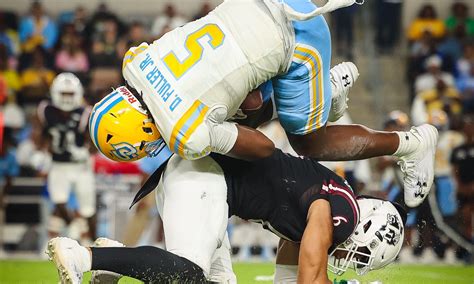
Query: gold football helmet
x,y
121,129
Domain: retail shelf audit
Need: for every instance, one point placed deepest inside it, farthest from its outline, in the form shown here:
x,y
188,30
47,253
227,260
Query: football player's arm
x,y
316,241
238,141
251,144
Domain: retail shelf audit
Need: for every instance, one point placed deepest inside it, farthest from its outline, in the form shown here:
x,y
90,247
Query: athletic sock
x,y
408,143
85,264
148,264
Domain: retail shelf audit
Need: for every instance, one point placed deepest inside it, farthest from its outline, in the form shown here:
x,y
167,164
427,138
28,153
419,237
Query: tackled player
x,y
312,209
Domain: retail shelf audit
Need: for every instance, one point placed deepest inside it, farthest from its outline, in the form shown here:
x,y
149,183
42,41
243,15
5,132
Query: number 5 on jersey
x,y
177,67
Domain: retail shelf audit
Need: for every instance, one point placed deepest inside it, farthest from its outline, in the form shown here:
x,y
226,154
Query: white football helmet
x,y
67,92
375,243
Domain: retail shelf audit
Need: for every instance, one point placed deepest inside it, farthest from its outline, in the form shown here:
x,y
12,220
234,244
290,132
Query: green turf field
x,y
44,272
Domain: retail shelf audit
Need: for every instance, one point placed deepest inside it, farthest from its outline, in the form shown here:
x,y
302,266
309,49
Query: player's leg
x,y
304,97
286,267
148,264
221,266
192,200
58,189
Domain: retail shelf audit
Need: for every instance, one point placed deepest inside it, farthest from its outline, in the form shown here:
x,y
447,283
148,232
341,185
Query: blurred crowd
x,y
440,76
34,47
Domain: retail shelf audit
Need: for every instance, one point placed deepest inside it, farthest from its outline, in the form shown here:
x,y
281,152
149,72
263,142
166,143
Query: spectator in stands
x,y
8,74
95,26
170,19
104,46
444,184
427,20
420,51
465,78
462,159
206,7
428,80
8,165
35,80
442,97
460,18
71,57
344,31
8,38
451,47
37,29
80,20
388,23
135,36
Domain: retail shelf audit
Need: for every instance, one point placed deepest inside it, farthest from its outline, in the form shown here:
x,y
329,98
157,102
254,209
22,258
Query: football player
x,y
64,120
195,77
296,198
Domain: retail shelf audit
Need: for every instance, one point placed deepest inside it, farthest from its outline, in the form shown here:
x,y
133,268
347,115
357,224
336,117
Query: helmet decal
x,y
389,230
124,151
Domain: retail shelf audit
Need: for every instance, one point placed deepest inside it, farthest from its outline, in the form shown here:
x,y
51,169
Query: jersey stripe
x,y
131,53
349,197
312,60
186,126
202,110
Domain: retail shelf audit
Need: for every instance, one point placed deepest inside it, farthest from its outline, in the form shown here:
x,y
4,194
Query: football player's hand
x,y
79,154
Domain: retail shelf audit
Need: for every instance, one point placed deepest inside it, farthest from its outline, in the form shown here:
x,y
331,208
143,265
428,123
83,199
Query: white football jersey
x,y
204,70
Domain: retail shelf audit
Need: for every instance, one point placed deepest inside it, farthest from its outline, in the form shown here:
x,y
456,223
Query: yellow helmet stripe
x,y
99,111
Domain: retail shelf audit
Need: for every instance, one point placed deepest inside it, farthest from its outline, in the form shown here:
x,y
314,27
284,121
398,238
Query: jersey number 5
x,y
177,67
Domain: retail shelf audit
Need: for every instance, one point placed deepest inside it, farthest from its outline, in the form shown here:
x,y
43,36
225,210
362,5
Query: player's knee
x,y
56,224
308,144
87,212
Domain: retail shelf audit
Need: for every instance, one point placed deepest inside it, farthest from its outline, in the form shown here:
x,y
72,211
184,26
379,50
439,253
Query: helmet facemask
x,y
67,92
374,244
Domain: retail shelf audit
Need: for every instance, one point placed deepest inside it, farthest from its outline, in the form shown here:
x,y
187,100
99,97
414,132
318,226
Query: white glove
x,y
41,161
330,6
79,154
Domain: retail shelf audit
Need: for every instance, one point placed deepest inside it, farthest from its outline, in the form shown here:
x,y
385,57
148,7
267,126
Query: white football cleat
x,y
343,77
418,166
102,276
70,259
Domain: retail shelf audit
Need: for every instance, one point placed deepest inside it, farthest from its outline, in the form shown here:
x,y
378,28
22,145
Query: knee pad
x,y
78,227
56,224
